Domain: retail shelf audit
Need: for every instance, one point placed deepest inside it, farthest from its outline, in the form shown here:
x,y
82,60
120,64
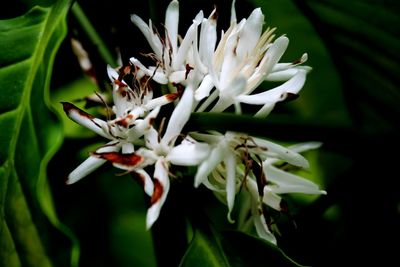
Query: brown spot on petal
x,y
172,97
158,191
188,69
124,122
69,108
128,160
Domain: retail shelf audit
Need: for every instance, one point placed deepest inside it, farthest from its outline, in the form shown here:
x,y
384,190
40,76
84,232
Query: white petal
x,y
204,88
81,117
262,227
277,151
207,166
147,31
142,126
157,75
272,199
285,75
171,24
188,153
148,185
89,165
233,13
179,116
230,165
250,34
184,47
178,76
112,73
273,54
276,94
128,148
230,95
161,188
289,183
208,39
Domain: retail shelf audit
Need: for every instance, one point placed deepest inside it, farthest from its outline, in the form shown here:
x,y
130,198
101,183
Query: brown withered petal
x,y
127,160
158,191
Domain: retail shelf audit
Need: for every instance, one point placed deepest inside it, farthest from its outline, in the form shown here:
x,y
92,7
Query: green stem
x,y
93,36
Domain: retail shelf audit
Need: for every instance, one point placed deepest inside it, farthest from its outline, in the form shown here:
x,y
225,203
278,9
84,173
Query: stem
x,y
93,36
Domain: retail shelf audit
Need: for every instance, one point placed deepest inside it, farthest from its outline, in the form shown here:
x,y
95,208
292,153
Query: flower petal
x,y
86,120
270,149
293,86
179,116
90,164
171,24
161,188
230,165
207,166
148,33
145,180
188,153
289,183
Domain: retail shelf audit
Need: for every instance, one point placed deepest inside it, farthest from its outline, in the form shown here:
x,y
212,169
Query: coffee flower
x,y
243,59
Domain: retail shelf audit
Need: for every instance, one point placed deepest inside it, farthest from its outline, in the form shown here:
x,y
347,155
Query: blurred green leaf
x,y
362,38
29,134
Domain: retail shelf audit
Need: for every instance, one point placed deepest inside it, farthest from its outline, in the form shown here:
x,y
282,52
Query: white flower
x,y
243,59
173,65
162,151
135,111
239,161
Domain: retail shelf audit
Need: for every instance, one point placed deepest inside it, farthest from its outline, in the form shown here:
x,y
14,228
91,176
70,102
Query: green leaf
x,y
362,37
29,134
232,249
205,250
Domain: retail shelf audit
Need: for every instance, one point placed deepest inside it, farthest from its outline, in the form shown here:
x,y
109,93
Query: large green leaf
x,y
362,37
29,134
232,249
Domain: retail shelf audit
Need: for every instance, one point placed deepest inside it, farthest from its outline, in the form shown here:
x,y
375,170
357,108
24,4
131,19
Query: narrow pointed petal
x,y
271,199
204,88
262,227
284,75
84,169
157,75
186,43
273,54
161,101
250,33
179,116
271,149
289,183
233,13
188,153
85,119
145,180
171,24
207,166
123,161
89,165
230,165
293,86
151,38
161,188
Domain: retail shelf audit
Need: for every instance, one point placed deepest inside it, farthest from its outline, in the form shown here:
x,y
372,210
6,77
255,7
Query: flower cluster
x,y
202,73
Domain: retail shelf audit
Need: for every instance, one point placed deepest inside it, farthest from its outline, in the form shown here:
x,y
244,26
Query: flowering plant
x,y
194,108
